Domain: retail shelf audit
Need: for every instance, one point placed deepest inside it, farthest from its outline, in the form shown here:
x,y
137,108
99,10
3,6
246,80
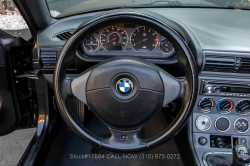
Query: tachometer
x,y
114,38
144,39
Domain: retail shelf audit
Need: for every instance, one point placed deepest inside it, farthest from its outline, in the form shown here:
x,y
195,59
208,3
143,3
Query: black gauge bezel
x,y
83,45
144,51
159,46
122,29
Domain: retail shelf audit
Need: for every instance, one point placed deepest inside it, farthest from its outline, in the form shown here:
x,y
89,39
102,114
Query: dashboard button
x,y
219,142
243,141
202,140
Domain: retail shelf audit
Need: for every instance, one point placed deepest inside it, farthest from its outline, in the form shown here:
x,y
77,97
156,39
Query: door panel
x,y
9,106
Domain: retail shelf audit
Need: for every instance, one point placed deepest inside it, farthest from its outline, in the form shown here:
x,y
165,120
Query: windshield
x,y
63,8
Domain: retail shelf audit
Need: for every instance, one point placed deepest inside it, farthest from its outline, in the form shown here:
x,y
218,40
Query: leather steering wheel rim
x,y
187,93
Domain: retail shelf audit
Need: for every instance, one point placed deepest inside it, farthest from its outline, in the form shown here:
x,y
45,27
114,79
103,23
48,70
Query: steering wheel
x,y
125,92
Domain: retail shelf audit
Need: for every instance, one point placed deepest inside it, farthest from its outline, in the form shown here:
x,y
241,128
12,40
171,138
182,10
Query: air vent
x,y
48,59
219,64
65,35
245,65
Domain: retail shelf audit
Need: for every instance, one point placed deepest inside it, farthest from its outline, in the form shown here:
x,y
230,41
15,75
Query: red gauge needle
x,y
89,46
109,41
238,126
156,41
140,41
164,47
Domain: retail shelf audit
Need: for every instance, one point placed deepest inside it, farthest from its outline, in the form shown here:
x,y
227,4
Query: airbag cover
x,y
131,111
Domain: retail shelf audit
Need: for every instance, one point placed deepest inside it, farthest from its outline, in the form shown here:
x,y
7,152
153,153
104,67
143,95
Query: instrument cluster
x,y
127,39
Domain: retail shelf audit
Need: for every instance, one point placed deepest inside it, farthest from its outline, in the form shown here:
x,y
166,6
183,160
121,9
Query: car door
x,y
18,108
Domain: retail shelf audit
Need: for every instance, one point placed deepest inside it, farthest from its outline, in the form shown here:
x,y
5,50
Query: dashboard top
x,y
214,29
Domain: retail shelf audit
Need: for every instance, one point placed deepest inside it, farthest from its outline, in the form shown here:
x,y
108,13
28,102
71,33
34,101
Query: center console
x,y
221,115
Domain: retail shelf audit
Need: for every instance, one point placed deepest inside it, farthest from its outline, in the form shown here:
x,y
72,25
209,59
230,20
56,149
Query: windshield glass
x,y
63,8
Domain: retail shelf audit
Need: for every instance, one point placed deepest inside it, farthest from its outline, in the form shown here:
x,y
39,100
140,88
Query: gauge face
x,y
241,125
114,38
225,106
166,47
144,39
203,123
222,124
243,107
90,43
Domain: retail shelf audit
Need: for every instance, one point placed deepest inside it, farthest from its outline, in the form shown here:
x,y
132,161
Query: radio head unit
x,y
222,89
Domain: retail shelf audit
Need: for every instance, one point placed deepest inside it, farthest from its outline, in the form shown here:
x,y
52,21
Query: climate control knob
x,y
225,106
243,107
206,105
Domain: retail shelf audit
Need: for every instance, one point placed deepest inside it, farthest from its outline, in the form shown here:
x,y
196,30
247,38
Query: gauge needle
x,y
89,46
110,41
164,47
140,41
238,126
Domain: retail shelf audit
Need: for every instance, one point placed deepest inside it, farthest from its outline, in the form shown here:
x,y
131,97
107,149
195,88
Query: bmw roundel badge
x,y
124,86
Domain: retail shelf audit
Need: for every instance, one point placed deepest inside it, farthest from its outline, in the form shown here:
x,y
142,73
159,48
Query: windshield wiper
x,y
168,3
179,4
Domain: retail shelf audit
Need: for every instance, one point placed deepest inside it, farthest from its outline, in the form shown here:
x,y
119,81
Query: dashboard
x,y
127,39
222,109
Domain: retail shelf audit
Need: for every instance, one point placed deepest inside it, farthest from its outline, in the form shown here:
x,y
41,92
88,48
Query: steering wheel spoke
x,y
172,88
66,88
78,86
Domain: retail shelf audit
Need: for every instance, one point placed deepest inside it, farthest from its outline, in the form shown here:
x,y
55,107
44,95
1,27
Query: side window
x,y
12,21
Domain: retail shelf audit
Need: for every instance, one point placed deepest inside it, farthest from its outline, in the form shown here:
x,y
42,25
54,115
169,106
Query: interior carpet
x,y
68,149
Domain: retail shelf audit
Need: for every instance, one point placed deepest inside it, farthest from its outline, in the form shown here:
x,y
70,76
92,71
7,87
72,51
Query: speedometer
x,y
144,39
114,38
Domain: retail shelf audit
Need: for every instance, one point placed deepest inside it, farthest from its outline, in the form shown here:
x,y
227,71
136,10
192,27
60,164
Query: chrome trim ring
x,y
208,119
206,111
204,157
227,111
218,119
238,103
239,131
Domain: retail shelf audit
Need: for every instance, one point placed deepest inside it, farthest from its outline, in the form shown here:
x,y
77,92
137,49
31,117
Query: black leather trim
x,y
183,55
